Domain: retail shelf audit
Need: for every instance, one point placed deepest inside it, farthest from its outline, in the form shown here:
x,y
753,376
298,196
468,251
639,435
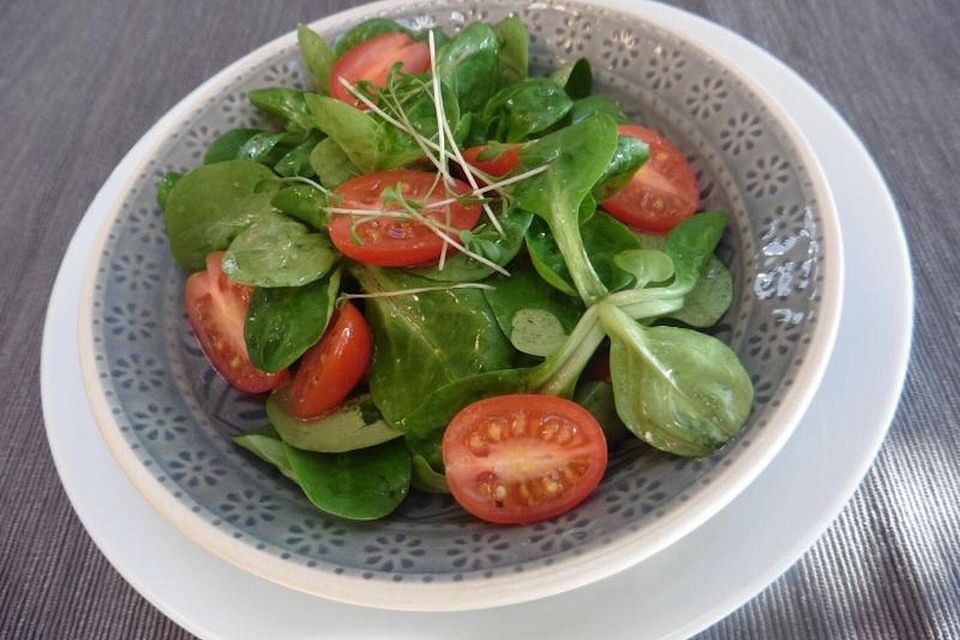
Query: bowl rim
x,y
534,583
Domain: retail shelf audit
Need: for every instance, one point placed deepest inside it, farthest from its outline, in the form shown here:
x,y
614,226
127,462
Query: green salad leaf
x,y
355,425
207,208
425,478
275,251
646,265
265,443
514,49
426,340
536,319
304,203
364,484
331,164
287,104
523,109
690,245
283,322
575,77
419,110
679,390
709,299
269,148
470,65
227,145
297,161
577,157
631,154
358,134
586,108
317,55
603,237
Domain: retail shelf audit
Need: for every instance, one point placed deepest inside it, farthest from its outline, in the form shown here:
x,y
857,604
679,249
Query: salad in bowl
x,y
444,273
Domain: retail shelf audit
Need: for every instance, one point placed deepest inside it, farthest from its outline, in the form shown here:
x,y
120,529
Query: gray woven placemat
x,y
79,85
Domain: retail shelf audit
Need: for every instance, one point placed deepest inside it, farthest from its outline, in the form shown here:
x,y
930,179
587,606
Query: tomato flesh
x,y
664,190
217,309
372,60
523,458
393,241
494,160
331,368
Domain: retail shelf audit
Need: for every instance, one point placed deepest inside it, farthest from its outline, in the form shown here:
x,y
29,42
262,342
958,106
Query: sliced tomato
x,y
523,458
217,309
662,193
496,160
372,59
392,241
331,368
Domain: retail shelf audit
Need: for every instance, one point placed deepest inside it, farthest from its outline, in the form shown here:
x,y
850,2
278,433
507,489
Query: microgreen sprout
x,y
316,185
418,290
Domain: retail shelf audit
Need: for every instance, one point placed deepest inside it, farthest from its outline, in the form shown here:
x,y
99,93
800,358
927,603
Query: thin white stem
x,y
468,172
410,292
438,103
312,183
409,213
490,187
371,105
441,116
464,250
420,139
383,114
380,213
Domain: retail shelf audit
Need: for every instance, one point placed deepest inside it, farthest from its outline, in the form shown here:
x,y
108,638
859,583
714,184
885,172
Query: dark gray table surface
x,y
81,81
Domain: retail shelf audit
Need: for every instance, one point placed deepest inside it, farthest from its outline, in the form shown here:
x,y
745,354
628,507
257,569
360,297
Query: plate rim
x,y
535,583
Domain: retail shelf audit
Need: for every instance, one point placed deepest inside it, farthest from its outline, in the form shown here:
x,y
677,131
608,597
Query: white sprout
x,y
411,292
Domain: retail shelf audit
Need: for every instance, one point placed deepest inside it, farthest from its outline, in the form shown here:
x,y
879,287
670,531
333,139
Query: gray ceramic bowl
x,y
168,417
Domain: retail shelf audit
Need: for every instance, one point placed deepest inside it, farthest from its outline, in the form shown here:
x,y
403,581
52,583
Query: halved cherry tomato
x,y
662,193
494,160
372,59
331,368
523,458
217,309
396,242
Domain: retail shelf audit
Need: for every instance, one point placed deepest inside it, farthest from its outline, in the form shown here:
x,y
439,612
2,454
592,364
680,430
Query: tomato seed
x,y
551,486
549,428
476,443
518,426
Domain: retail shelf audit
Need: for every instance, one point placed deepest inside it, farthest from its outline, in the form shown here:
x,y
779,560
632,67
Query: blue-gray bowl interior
x,y
177,415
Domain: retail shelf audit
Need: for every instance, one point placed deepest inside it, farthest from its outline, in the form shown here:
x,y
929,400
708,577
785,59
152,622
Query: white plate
x,y
671,594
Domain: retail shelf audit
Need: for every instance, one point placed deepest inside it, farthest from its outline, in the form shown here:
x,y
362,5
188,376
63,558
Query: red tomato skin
x,y
391,242
331,368
464,465
372,59
217,309
498,167
663,192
